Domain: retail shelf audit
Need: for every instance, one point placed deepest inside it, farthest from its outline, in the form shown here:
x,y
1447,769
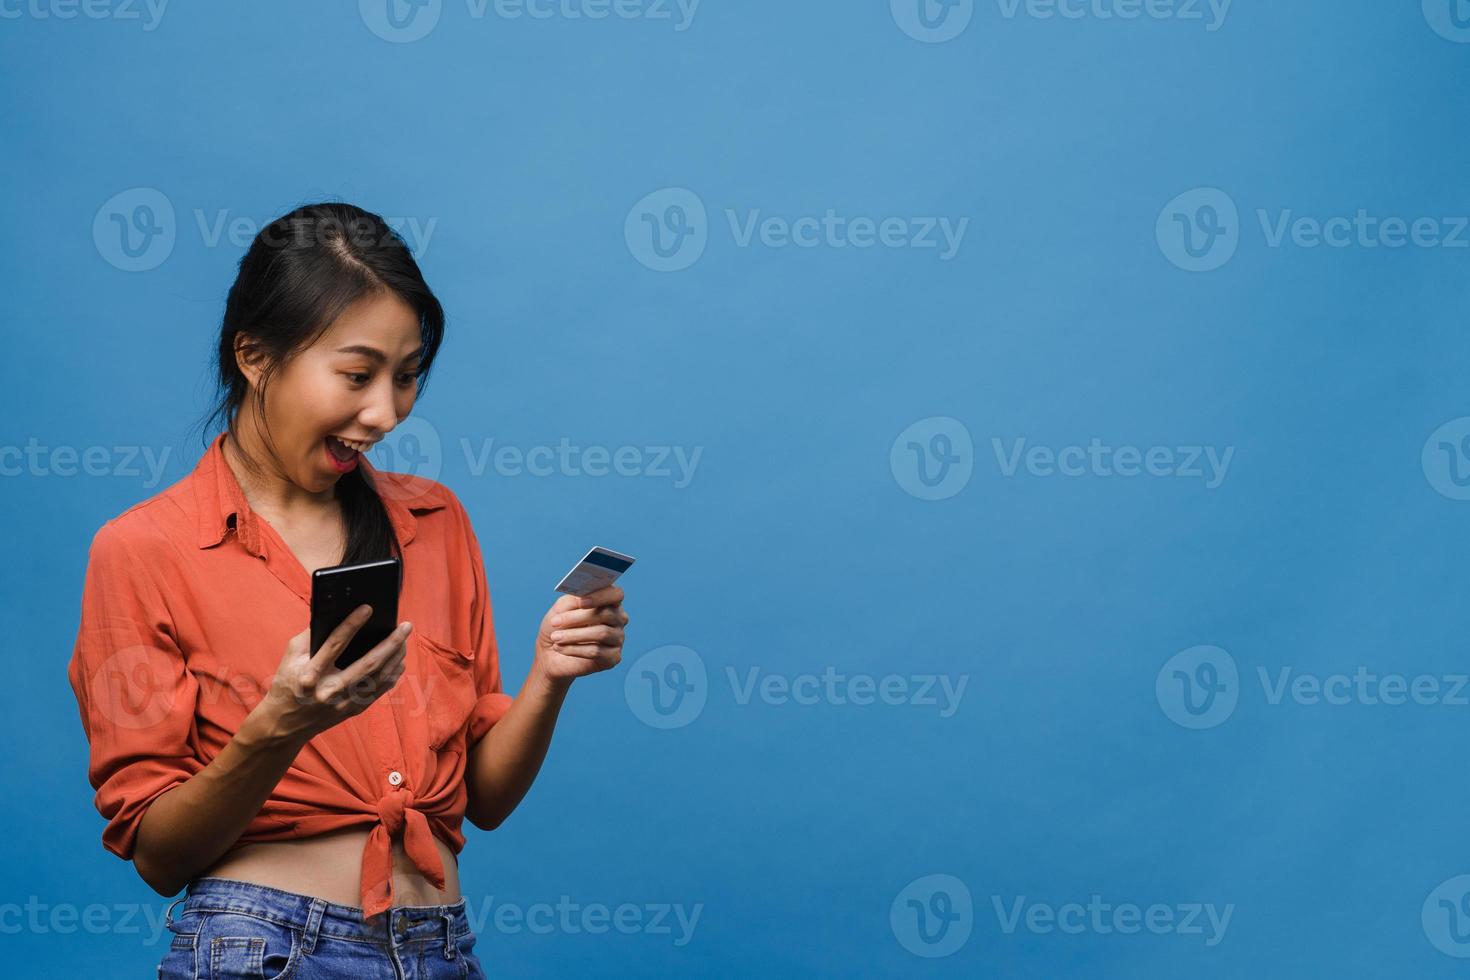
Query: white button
x,y
395,777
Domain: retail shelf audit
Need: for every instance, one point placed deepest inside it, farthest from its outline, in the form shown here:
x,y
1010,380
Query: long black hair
x,y
301,271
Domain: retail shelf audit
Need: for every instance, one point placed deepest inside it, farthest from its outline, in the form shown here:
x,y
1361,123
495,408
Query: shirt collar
x,y
222,503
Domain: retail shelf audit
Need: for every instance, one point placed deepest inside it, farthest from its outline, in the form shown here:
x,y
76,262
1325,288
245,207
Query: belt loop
x,y
313,925
449,949
168,912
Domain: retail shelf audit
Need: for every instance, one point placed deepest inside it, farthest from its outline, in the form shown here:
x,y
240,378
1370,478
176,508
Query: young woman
x,y
313,813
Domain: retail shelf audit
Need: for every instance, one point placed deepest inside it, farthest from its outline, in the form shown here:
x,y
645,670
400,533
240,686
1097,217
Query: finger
x,y
587,634
393,660
606,595
392,647
367,688
611,614
336,640
388,651
584,652
604,616
375,686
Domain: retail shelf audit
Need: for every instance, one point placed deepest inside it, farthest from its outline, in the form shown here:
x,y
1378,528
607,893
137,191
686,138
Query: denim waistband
x,y
314,917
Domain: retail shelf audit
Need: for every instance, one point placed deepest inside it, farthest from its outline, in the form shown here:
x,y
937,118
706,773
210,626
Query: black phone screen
x,y
338,590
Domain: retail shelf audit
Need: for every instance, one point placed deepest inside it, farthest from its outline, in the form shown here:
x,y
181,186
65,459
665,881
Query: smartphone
x,y
597,569
338,590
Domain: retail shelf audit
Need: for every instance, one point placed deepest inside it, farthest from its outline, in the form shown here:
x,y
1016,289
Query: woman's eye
x,y
360,379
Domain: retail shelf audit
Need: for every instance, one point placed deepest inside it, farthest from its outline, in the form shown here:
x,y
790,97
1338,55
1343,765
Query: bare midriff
x,y
329,866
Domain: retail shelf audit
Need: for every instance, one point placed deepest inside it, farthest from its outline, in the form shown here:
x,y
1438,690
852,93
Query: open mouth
x,y
342,456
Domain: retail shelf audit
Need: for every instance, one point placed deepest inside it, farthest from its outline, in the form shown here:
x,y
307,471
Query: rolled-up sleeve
x,y
491,702
136,697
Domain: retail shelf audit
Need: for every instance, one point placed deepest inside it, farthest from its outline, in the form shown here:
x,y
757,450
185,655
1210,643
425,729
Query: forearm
x,y
504,763
188,829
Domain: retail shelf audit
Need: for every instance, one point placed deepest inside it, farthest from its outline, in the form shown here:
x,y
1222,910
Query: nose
x,y
380,414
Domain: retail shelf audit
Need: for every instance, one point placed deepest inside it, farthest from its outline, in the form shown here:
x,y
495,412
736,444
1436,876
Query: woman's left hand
x,y
581,635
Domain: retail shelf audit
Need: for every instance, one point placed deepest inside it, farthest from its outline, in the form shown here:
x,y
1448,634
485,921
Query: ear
x,y
249,358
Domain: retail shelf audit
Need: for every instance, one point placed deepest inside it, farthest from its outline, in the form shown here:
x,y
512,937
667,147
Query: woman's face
x,y
356,382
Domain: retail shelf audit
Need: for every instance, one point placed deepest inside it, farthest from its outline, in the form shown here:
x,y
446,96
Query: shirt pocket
x,y
449,688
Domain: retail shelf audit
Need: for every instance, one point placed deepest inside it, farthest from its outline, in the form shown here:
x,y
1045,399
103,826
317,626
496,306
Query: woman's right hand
x,y
309,694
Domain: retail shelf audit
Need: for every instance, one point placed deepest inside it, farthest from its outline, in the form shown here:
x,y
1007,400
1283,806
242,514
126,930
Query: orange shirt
x,y
188,603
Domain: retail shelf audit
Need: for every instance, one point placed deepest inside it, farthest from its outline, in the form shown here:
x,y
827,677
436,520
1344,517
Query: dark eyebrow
x,y
373,354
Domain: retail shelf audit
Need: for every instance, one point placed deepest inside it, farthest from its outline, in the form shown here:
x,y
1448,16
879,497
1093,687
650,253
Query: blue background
x,y
1329,545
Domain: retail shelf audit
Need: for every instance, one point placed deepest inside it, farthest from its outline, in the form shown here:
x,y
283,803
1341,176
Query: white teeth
x,y
357,446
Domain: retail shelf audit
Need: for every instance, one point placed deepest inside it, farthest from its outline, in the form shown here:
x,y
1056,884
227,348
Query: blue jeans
x,y
235,929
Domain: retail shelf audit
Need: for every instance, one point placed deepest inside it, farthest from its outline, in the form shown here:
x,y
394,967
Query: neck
x,y
266,487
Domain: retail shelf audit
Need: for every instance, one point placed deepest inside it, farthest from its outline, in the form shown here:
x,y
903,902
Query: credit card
x,y
600,568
